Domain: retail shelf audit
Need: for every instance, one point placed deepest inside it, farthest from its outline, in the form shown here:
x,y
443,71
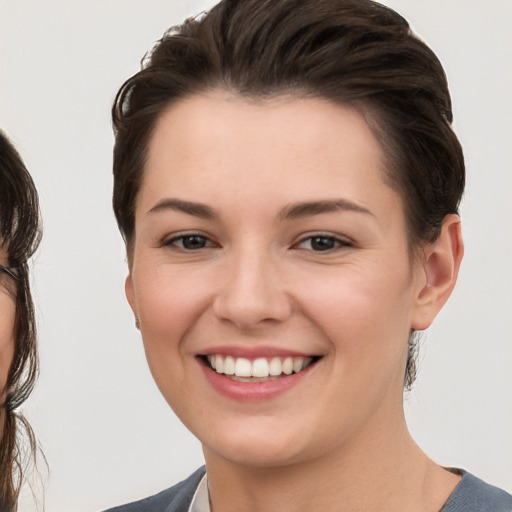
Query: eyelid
x,y
170,241
341,241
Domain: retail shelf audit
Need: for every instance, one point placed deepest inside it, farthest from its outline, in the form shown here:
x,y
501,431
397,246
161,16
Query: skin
x,y
7,315
339,436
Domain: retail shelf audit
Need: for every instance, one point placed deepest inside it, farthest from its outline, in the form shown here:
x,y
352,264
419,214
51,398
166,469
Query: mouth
x,y
257,370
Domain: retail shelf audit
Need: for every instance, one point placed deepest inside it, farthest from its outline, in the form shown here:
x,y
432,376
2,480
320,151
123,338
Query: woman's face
x,y
7,314
267,240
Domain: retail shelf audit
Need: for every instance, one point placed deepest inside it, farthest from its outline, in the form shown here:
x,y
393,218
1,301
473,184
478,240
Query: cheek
x,y
169,304
366,315
6,343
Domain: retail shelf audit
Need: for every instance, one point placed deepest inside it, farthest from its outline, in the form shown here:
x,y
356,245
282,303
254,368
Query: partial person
x,y
19,237
287,182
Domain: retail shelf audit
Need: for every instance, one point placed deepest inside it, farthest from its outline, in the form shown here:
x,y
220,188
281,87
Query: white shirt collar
x,y
200,502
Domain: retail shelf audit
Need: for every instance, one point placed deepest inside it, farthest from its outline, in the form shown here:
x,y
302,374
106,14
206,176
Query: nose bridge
x,y
252,292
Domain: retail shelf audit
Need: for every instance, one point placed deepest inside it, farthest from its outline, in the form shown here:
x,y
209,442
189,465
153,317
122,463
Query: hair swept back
x,y
354,52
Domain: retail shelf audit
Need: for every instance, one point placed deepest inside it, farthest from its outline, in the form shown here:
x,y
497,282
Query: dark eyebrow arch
x,y
309,208
189,207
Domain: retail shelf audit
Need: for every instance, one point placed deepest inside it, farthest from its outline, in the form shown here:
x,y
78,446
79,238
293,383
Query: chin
x,y
262,456
256,447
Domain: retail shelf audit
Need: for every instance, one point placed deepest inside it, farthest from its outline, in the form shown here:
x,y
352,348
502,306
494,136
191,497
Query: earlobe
x,y
130,294
440,269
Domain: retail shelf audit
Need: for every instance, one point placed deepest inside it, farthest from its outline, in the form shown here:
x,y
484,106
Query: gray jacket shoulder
x,y
475,495
174,499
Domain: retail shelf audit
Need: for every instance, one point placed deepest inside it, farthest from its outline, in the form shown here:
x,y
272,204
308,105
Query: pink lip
x,y
252,352
252,391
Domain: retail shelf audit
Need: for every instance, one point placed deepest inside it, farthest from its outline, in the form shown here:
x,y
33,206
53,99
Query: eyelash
x,y
173,241
336,242
329,242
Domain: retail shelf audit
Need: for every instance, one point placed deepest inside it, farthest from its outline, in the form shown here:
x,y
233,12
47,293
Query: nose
x,y
252,295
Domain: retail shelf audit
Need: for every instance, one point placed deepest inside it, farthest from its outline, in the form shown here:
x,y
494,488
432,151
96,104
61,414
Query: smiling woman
x,y
19,238
287,182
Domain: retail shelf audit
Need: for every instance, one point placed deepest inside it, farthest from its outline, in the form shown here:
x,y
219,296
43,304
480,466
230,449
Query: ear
x,y
440,269
130,294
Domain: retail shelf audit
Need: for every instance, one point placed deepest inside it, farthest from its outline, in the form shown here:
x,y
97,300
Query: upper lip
x,y
253,352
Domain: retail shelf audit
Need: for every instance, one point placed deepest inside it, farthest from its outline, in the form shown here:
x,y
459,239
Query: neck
x,y
386,471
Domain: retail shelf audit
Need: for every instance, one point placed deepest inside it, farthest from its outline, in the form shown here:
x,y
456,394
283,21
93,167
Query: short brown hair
x,y
354,52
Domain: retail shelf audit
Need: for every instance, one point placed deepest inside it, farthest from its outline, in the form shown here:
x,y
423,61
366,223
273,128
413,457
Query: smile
x,y
261,369
248,374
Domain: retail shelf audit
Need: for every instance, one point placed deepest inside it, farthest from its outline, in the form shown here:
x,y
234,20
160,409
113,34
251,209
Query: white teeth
x,y
288,366
219,364
243,367
297,365
275,366
229,365
258,368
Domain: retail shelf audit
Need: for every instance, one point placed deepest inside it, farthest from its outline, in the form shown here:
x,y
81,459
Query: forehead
x,y
291,119
222,137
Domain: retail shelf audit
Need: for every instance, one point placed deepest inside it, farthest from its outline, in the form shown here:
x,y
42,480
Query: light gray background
x,y
108,435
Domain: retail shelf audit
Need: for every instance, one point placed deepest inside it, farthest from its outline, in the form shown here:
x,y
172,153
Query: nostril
x,y
251,311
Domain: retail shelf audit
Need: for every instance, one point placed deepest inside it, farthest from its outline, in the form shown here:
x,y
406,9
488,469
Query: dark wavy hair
x,y
20,234
351,52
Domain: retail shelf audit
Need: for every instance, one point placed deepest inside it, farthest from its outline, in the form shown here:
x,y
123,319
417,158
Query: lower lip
x,y
252,391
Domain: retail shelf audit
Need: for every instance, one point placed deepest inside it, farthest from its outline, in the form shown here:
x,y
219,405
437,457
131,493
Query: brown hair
x,y
19,235
354,52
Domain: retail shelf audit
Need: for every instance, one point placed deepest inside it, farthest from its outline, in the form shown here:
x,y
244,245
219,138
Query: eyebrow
x,y
189,207
292,211
310,208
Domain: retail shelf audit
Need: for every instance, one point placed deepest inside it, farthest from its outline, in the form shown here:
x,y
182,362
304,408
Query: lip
x,y
253,352
252,391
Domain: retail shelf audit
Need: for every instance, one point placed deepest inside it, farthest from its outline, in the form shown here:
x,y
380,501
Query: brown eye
x,y
322,243
194,242
190,242
319,243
